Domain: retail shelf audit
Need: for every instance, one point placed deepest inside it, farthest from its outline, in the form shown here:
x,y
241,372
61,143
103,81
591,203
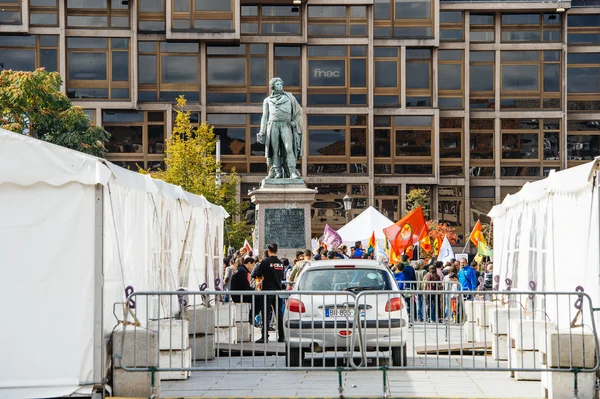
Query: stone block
x,y
140,347
572,347
242,310
469,307
499,318
541,336
224,315
560,385
469,331
203,347
175,359
499,347
134,384
481,313
525,360
244,332
225,335
482,334
526,333
202,320
172,333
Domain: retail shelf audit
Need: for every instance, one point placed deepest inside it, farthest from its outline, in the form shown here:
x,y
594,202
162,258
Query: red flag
x,y
409,251
407,231
426,244
246,246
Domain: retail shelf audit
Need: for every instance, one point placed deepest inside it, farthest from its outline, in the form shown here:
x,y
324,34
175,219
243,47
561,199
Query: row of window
x,y
402,145
98,68
404,19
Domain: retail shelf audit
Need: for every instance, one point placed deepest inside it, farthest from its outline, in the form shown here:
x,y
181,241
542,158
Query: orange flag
x,y
425,244
436,246
407,231
476,235
409,251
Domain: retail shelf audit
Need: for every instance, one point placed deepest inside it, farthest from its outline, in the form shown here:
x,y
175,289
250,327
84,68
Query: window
x,y
97,14
337,75
338,21
168,69
418,77
337,144
271,20
237,74
450,79
452,26
91,114
27,53
482,201
288,67
451,209
482,148
451,139
530,79
583,29
202,15
403,145
151,16
531,28
235,131
482,80
406,19
387,76
529,145
137,138
387,200
482,28
43,12
583,76
583,141
329,207
10,12
98,68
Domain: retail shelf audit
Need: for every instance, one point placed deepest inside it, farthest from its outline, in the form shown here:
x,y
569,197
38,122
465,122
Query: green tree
x,y
31,103
419,196
191,164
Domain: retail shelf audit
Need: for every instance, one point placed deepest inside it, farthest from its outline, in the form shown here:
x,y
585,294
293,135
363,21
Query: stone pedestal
x,y
283,215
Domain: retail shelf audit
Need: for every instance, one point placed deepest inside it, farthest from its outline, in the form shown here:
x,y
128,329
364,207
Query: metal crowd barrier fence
x,y
522,332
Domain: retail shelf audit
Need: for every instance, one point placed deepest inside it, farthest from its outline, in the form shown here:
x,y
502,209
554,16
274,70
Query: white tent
x,y
548,233
75,230
361,227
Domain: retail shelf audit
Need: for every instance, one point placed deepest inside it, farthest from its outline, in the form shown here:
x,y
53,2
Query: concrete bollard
x,y
134,384
525,331
225,315
572,347
203,347
225,335
244,331
499,347
140,347
172,333
525,360
175,359
202,320
560,385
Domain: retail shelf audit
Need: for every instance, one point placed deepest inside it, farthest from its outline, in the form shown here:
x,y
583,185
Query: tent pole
x,y
98,352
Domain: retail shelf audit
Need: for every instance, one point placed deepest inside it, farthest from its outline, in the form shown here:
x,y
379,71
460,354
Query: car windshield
x,y
344,279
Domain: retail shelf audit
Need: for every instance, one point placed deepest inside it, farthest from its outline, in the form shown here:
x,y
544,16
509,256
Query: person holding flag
x,y
371,247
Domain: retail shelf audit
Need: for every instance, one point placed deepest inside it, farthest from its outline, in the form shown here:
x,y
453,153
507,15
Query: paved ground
x,y
322,383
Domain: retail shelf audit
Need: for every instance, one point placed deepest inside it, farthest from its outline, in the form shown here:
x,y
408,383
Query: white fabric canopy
x,y
361,227
548,233
154,237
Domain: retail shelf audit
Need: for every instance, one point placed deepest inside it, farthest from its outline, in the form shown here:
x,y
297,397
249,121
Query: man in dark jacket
x,y
271,269
410,277
240,281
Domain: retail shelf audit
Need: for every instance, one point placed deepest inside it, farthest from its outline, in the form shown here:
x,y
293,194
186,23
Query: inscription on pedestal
x,y
285,227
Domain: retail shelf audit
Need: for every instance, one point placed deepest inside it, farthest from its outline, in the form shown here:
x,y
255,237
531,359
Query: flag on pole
x,y
436,246
476,235
484,250
393,258
314,245
407,231
372,243
409,251
446,251
246,246
425,244
331,237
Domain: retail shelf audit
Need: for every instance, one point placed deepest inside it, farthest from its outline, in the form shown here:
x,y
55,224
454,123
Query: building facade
x,y
466,99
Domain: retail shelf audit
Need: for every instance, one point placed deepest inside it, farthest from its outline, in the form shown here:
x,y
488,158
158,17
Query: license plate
x,y
339,312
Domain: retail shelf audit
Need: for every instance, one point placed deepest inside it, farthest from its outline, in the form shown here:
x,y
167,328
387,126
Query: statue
x,y
280,132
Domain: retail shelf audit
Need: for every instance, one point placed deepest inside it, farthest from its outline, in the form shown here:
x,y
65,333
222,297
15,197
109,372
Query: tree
x,y
419,196
32,103
191,164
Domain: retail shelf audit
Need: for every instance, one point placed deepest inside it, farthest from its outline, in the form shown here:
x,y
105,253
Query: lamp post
x,y
347,206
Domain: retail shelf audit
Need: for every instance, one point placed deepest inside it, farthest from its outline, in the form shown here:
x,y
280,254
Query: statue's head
x,y
276,84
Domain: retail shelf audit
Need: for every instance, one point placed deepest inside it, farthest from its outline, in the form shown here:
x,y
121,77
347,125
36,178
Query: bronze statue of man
x,y
280,132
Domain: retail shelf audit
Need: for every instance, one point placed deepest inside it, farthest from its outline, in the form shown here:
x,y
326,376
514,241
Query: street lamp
x,y
347,206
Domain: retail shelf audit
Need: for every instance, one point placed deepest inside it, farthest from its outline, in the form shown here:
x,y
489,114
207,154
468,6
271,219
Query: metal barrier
x,y
510,331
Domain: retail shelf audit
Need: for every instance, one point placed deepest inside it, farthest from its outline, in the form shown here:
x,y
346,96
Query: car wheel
x,y
400,356
293,356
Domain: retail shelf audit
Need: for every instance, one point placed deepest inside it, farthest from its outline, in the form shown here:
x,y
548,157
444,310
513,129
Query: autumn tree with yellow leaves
x,y
191,164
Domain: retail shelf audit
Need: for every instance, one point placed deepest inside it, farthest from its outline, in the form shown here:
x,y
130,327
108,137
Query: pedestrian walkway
x,y
357,384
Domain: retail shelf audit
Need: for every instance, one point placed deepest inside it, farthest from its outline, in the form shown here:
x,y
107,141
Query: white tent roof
x,y
362,226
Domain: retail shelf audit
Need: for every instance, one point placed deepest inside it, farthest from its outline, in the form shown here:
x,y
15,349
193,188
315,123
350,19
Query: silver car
x,y
341,306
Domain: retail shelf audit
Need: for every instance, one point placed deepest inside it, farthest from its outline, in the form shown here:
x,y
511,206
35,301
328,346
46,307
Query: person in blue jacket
x,y
399,275
467,276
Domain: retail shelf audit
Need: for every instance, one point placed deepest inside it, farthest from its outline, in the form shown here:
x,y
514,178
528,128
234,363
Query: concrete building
x,y
467,99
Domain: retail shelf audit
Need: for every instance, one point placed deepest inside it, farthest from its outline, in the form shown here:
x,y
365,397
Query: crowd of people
x,y
437,284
